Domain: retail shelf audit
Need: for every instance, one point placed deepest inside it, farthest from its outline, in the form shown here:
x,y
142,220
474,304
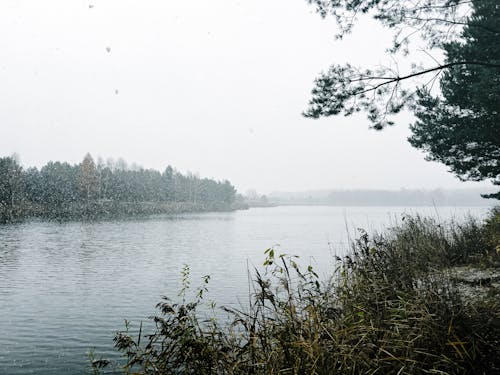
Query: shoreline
x,y
111,210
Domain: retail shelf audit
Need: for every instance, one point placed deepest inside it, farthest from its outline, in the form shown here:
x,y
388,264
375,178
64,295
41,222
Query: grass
x,y
392,306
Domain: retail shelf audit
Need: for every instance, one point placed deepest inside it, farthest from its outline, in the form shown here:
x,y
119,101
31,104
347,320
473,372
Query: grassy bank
x,y
395,305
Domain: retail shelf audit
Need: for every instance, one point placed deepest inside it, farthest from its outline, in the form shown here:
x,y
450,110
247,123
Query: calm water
x,y
66,287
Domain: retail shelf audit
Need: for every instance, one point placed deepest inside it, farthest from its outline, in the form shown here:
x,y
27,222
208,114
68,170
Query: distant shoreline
x,y
379,197
110,210
365,204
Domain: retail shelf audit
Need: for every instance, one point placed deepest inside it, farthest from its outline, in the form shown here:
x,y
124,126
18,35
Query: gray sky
x,y
215,87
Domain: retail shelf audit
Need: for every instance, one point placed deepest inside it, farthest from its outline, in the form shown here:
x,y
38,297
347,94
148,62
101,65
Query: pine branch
x,y
422,72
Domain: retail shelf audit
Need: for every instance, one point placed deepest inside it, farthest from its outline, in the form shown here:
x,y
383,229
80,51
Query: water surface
x,y
66,287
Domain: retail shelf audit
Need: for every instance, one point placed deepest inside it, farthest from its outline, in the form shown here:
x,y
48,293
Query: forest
x,y
112,188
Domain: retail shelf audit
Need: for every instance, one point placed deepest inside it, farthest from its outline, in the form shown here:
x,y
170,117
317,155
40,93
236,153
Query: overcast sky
x,y
214,87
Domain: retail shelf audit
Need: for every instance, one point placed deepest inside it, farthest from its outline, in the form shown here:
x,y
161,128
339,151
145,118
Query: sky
x,y
212,87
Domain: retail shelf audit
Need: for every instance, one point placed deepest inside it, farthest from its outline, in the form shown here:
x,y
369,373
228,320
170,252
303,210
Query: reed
x,y
391,307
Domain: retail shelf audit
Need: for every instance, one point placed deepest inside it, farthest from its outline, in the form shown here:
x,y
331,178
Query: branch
x,y
440,67
444,6
453,22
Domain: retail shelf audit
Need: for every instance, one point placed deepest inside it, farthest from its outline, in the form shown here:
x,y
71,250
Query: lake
x,y
67,287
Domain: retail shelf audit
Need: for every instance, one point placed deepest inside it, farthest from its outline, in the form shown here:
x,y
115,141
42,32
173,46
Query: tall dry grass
x,y
391,307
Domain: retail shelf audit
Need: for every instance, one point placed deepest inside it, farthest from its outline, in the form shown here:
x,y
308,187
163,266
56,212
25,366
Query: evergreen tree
x,y
11,183
460,127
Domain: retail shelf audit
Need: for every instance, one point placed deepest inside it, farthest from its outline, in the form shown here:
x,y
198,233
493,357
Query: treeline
x,y
403,197
63,189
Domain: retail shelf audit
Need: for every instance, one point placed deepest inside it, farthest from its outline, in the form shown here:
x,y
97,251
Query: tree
x,y
168,183
11,189
59,186
460,126
88,178
33,186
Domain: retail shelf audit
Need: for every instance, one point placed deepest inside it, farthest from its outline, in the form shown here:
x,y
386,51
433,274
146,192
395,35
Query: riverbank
x,y
109,210
405,301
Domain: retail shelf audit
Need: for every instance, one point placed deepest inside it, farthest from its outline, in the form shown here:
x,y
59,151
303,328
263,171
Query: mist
x,y
215,88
